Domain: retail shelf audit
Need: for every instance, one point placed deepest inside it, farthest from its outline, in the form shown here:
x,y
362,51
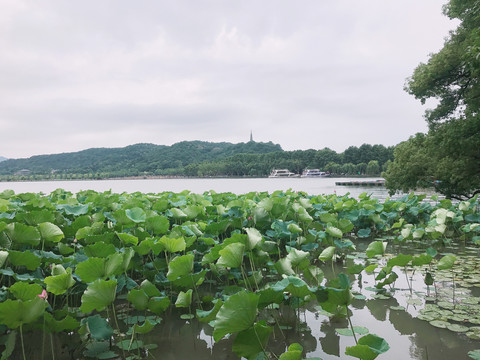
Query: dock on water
x,y
361,183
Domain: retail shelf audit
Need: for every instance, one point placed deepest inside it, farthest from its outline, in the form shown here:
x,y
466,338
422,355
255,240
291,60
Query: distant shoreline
x,y
179,177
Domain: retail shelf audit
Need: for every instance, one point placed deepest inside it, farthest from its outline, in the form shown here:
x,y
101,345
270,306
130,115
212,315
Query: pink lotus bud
x,y
43,295
249,218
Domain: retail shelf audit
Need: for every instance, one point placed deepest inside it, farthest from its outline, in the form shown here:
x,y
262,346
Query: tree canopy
x,y
448,157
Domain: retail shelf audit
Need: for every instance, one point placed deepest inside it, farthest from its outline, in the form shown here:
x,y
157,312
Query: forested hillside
x,y
195,158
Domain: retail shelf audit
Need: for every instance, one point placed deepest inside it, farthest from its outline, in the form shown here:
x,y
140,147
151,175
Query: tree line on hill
x,y
196,159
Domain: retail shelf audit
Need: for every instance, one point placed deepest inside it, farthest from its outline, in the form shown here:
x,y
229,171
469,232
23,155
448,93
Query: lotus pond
x,y
282,275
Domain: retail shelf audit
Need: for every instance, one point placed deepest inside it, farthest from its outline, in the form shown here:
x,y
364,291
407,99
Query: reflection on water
x,y
408,337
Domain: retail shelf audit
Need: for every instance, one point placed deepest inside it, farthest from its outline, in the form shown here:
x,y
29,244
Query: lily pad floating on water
x,y
457,328
356,329
474,354
440,324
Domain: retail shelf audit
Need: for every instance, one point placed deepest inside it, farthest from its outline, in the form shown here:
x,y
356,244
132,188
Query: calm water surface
x,y
237,186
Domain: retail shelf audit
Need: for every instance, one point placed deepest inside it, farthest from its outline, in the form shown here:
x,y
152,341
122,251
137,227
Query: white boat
x,y
314,173
281,173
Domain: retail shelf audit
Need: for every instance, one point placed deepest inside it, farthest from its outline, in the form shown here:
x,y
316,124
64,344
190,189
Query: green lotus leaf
x,y
114,264
356,329
184,299
355,269
376,248
98,295
180,266
328,218
145,328
364,233
19,233
158,305
294,352
59,284
298,258
252,341
178,214
446,262
254,237
8,341
474,354
237,314
314,274
28,259
457,327
100,249
130,345
23,291
439,323
150,289
293,285
327,253
98,327
284,267
173,245
269,296
294,228
136,214
231,255
334,231
363,352
138,298
428,278
50,232
91,269
345,225
99,350
399,260
3,257
193,211
128,239
75,210
376,346
422,259
207,316
157,224
14,313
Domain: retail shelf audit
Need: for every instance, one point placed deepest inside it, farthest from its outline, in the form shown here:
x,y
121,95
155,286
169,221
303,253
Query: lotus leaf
x,y
14,313
180,266
327,253
28,259
19,233
98,295
24,291
231,255
248,343
237,314
98,327
376,248
59,284
446,262
294,352
184,299
173,245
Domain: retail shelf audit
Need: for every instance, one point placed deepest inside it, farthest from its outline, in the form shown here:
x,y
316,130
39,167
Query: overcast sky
x,y
303,74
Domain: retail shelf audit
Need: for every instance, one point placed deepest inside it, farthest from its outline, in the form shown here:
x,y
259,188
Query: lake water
x,y
311,186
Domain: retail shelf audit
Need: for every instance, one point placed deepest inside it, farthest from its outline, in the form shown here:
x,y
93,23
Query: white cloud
x,y
305,75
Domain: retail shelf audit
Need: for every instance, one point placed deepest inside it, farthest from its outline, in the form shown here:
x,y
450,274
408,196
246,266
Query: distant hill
x,y
134,159
3,158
